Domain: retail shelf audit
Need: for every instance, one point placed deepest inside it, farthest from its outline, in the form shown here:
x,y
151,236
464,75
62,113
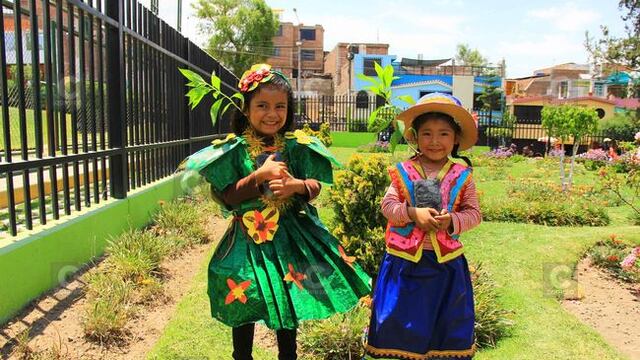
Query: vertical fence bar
x,y
13,229
83,108
115,93
101,96
62,106
22,115
92,103
129,97
73,103
37,108
51,138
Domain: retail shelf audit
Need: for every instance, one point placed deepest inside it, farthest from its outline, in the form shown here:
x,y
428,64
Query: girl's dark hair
x,y
239,120
423,118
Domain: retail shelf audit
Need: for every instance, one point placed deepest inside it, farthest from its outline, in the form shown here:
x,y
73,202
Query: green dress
x,y
277,267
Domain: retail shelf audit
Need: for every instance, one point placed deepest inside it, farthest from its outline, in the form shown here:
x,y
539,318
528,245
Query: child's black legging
x,y
243,343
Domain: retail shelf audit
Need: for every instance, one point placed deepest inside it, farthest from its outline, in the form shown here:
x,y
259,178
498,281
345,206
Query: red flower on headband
x,y
258,73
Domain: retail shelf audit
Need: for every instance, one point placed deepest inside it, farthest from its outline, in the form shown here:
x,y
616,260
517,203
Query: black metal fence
x,y
102,109
343,113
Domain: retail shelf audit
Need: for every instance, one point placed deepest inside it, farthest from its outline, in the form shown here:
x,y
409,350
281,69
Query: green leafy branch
x,y
385,115
201,88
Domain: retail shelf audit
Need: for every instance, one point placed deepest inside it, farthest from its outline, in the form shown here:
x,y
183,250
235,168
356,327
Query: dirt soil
x,y
610,306
54,326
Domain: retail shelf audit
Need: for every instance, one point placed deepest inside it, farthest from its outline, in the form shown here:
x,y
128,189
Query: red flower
x,y
236,291
613,258
295,277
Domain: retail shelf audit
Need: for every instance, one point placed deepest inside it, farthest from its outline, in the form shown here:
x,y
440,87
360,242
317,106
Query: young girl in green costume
x,y
277,262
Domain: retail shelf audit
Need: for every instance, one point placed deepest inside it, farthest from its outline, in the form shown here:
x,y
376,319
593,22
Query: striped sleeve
x,y
468,215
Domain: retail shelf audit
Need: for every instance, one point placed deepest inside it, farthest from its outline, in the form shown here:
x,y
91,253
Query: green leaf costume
x,y
301,272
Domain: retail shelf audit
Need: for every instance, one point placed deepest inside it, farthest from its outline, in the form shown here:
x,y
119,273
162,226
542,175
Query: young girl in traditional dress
x,y
277,262
423,300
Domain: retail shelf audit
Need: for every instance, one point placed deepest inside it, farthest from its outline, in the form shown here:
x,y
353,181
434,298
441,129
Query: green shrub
x,y
622,126
492,321
356,196
375,147
336,338
323,133
548,213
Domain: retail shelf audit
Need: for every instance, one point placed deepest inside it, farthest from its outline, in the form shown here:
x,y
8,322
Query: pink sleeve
x,y
393,208
468,215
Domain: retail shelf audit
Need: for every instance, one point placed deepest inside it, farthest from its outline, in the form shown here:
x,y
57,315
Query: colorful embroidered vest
x,y
406,240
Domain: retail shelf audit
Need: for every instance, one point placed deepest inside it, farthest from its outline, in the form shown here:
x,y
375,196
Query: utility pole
x,y
179,22
298,79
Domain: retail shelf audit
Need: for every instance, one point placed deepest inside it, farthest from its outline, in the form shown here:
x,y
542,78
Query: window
x,y
308,55
563,90
600,112
528,114
276,51
307,34
369,67
279,32
294,73
598,90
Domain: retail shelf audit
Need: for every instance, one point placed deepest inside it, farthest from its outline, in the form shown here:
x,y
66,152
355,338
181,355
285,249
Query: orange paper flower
x,y
261,225
295,277
236,291
348,259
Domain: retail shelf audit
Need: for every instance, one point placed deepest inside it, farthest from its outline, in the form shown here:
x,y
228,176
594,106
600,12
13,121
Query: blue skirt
x,y
422,310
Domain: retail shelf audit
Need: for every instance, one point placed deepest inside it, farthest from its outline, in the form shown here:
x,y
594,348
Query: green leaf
x,y
225,108
379,70
400,126
407,98
215,108
240,97
370,79
372,119
215,81
395,139
196,94
194,78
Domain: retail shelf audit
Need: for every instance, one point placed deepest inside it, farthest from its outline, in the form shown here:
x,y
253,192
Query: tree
x,y
241,31
469,57
492,95
621,51
565,122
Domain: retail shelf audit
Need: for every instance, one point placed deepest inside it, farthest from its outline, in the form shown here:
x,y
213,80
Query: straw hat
x,y
446,104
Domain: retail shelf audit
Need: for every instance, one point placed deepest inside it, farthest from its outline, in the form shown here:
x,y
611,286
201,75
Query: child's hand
x,y
444,220
424,218
270,170
286,186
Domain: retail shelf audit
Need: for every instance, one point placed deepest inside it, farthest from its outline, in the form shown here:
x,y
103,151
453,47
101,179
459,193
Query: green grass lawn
x,y
14,125
516,255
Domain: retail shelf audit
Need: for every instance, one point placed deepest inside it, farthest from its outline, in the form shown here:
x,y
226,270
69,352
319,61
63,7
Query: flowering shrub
x,y
502,152
636,137
555,152
594,159
619,185
617,257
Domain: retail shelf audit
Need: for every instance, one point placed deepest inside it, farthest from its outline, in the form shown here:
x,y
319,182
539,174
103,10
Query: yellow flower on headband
x,y
258,73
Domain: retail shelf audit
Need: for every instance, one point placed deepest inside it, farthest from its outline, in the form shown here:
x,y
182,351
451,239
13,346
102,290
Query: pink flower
x,y
630,260
637,136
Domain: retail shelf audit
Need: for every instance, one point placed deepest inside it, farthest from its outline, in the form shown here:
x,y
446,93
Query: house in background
x,y
418,77
568,83
341,62
298,52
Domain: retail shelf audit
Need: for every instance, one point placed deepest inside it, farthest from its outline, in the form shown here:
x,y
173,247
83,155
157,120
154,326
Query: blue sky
x,y
529,35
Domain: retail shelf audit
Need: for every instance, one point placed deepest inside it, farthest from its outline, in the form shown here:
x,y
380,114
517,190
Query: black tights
x,y
243,343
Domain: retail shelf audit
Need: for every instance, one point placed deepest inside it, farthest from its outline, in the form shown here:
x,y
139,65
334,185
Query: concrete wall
x,y
42,259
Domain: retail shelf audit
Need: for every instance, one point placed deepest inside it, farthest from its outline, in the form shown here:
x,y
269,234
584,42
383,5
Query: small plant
x,y
493,322
385,115
201,88
337,338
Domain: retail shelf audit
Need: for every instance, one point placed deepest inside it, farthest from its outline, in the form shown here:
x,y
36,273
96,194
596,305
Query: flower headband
x,y
259,73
